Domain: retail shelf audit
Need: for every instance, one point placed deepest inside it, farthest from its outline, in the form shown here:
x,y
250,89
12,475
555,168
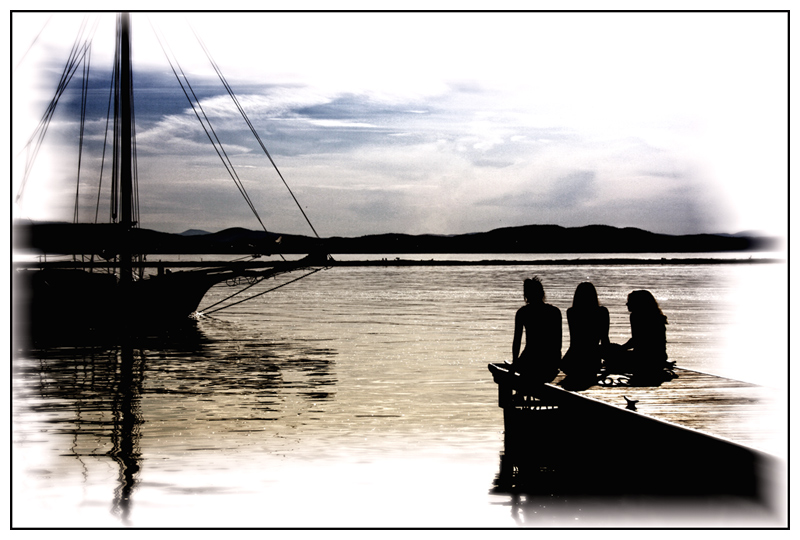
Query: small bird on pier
x,y
631,403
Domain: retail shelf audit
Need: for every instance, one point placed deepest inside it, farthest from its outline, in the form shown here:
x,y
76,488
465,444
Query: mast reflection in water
x,y
93,396
126,432
186,391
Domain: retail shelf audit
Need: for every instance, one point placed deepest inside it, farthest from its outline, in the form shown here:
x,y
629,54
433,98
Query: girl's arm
x,y
630,343
604,324
515,346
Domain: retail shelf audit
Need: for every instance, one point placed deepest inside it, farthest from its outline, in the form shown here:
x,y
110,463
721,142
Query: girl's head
x,y
644,302
533,290
585,296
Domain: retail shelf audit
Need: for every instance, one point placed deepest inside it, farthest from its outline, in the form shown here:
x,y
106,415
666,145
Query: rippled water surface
x,y
356,397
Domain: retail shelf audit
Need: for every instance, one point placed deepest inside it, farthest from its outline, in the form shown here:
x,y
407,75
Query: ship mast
x,y
126,162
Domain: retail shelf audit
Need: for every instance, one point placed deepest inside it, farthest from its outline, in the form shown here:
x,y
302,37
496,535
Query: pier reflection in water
x,y
550,482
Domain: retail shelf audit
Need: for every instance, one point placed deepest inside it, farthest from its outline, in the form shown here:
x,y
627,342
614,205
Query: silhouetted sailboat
x,y
83,296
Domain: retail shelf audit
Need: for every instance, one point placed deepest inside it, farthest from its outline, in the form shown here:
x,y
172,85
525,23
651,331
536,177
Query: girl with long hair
x,y
645,353
588,334
542,325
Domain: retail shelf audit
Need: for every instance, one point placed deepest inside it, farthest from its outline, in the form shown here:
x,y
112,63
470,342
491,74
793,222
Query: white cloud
x,y
426,116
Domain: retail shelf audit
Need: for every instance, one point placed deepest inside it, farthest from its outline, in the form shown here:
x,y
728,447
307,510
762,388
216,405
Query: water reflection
x,y
96,403
92,395
127,421
335,385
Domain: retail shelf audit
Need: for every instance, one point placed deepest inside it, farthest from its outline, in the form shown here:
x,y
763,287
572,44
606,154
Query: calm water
x,y
356,397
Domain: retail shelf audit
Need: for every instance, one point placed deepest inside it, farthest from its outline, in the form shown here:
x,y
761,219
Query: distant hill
x,y
103,239
548,239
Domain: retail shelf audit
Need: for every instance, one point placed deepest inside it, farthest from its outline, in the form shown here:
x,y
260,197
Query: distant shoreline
x,y
415,262
552,262
560,241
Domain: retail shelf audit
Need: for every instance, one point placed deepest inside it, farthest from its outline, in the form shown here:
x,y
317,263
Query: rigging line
x,y
245,257
225,160
240,259
37,138
33,43
255,133
226,164
105,145
84,97
235,102
208,121
66,76
229,91
222,155
262,278
265,292
252,128
34,143
135,171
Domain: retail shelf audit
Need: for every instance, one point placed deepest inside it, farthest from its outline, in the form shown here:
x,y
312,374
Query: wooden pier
x,y
694,434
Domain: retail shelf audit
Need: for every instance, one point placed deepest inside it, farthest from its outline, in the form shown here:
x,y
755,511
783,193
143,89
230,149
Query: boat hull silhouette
x,y
58,302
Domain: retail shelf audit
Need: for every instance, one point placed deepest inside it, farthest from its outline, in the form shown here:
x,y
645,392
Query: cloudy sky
x,y
439,123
